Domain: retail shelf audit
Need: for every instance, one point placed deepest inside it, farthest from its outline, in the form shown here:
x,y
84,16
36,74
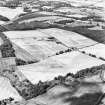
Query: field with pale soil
x,y
58,65
98,50
69,38
35,43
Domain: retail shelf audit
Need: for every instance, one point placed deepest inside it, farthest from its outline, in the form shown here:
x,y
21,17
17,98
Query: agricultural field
x,y
98,50
58,49
35,44
6,90
10,13
96,35
84,93
58,65
2,22
69,38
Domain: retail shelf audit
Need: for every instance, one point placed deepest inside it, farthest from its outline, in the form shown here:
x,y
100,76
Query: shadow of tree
x,y
86,99
90,95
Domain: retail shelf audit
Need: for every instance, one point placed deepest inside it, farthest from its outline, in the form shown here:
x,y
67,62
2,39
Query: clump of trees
x,y
8,53
89,71
82,73
28,90
67,50
64,21
20,62
92,55
83,52
6,101
70,74
6,48
102,58
62,78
